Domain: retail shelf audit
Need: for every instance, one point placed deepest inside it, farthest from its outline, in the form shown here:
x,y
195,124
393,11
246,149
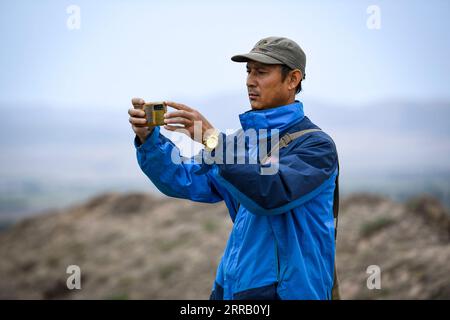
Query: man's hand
x,y
186,116
138,120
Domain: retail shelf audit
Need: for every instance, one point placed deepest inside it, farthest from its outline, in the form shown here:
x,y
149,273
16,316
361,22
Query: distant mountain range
x,y
53,156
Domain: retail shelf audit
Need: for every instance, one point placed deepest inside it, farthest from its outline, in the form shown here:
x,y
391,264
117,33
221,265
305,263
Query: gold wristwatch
x,y
211,140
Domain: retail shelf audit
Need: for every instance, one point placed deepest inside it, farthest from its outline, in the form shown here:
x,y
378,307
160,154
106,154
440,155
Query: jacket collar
x,y
275,118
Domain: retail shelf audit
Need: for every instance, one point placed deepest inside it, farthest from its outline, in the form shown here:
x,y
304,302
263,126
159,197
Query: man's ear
x,y
294,78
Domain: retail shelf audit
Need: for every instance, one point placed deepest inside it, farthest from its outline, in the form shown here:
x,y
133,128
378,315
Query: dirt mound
x,y
138,246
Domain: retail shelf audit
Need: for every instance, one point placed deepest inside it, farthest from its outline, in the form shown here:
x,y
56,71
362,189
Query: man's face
x,y
265,87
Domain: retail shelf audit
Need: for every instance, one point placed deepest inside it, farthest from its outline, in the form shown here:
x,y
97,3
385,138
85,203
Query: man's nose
x,y
251,81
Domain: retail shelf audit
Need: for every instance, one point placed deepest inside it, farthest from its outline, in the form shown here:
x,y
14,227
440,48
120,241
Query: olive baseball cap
x,y
276,50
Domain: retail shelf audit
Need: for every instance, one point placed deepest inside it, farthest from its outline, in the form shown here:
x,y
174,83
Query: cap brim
x,y
254,56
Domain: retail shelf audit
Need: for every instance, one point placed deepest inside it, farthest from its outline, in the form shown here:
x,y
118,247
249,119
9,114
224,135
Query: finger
x,y
178,120
173,128
137,101
178,106
136,112
179,113
137,121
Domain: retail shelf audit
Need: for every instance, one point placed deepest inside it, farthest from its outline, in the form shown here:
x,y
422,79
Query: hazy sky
x,y
173,49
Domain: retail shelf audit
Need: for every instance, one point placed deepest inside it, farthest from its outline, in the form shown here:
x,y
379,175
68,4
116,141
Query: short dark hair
x,y
284,73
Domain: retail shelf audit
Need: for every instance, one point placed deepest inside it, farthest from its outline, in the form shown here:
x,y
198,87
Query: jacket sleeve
x,y
172,174
303,172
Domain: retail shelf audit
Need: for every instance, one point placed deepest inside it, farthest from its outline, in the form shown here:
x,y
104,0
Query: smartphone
x,y
154,113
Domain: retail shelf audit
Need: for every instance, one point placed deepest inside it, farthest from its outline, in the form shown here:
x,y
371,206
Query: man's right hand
x,y
138,120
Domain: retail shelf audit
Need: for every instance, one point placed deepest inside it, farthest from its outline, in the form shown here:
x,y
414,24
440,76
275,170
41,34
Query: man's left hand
x,y
186,117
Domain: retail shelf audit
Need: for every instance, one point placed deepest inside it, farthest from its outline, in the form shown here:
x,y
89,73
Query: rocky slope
x,y
138,246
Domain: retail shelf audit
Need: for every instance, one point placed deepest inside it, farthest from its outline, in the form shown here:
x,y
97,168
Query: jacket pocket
x,y
268,292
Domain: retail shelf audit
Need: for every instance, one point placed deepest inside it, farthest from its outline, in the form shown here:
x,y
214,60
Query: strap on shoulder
x,y
284,141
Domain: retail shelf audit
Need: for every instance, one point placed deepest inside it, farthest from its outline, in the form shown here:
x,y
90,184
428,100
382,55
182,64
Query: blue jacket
x,y
282,241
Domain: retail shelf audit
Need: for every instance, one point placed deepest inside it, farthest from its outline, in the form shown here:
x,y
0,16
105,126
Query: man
x,y
282,242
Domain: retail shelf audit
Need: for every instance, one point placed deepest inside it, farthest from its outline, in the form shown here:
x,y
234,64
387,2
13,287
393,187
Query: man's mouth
x,y
253,96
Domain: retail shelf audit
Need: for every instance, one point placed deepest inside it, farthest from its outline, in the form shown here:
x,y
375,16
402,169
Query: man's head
x,y
271,85
275,67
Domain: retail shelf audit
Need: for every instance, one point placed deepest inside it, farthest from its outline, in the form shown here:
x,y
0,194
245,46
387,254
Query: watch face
x,y
211,142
